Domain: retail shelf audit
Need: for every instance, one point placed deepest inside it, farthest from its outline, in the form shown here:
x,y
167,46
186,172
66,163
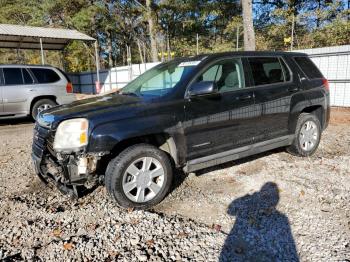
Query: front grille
x,y
40,140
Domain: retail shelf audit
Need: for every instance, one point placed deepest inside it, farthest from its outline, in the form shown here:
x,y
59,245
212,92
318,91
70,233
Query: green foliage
x,y
119,25
335,33
21,12
317,23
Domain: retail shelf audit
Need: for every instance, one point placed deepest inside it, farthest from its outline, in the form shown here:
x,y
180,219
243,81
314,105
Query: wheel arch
x,y
163,141
317,110
37,98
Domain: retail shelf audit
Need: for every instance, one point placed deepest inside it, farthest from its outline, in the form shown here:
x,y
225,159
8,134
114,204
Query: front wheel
x,y
139,177
40,106
307,135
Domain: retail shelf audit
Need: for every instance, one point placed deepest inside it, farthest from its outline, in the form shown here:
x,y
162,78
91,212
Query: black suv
x,y
189,113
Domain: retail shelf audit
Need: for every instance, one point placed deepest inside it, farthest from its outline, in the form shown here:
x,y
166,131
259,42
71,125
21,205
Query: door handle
x,y
32,90
293,89
244,97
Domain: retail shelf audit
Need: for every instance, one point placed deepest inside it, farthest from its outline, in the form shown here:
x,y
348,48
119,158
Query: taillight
x,y
325,84
69,87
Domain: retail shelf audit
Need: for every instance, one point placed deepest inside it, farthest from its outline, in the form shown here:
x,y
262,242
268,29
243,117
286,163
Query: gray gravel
x,y
273,207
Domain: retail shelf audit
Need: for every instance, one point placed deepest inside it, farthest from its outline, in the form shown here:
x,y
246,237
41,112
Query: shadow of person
x,y
260,232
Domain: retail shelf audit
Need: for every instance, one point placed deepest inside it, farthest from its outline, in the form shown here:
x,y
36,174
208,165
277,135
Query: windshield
x,y
160,80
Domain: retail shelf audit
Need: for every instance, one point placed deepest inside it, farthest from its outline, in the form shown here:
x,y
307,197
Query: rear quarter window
x,y
45,76
65,74
308,67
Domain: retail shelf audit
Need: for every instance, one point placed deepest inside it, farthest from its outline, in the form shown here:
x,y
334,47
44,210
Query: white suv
x,y
27,90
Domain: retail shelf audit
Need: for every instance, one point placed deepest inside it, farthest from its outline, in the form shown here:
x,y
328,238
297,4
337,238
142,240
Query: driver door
x,y
223,121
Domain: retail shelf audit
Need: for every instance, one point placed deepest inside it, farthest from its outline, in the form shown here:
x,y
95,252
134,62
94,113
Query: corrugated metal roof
x,y
17,36
43,32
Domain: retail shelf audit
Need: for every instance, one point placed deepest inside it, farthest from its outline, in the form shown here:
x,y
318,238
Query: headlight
x,y
71,135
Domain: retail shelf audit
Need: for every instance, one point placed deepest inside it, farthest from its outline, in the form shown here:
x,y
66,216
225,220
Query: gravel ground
x,y
270,207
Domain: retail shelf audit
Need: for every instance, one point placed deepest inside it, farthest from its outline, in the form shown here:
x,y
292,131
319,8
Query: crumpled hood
x,y
86,108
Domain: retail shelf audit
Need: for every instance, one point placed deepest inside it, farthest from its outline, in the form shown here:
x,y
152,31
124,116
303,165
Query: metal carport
x,y
42,38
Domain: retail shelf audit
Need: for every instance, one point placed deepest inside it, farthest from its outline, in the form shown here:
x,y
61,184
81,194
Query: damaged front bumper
x,y
71,174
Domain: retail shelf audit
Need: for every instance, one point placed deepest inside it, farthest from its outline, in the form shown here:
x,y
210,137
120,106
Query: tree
x,y
317,23
248,28
154,50
135,30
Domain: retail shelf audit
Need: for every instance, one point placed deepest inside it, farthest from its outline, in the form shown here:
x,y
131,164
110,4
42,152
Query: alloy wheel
x,y
308,135
43,107
143,179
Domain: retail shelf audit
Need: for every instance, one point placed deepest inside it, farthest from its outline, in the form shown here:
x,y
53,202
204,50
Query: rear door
x,y
273,88
49,82
17,89
219,122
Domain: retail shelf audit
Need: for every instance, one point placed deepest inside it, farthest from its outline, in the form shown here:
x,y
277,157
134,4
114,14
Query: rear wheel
x,y
41,105
307,135
139,177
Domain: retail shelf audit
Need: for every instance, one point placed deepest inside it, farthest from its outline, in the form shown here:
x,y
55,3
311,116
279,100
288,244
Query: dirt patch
x,y
340,116
252,168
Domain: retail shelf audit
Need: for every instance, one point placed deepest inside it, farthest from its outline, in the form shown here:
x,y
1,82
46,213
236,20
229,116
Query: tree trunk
x,y
124,57
162,51
154,51
144,52
168,46
109,49
140,51
249,35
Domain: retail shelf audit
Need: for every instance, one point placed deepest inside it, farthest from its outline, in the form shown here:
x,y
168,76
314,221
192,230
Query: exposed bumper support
x,y
65,175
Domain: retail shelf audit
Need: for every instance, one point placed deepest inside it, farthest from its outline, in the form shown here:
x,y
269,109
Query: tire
x,y
41,105
299,148
119,180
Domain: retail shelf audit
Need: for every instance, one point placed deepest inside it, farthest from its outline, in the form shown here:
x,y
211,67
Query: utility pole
x,y
129,62
42,52
237,38
197,44
292,36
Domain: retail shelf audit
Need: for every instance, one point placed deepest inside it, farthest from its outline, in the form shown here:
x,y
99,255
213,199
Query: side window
x,y
27,77
212,73
308,67
286,71
266,70
227,74
165,80
44,75
13,76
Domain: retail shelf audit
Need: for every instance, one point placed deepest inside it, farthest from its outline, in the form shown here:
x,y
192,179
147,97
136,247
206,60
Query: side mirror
x,y
202,88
